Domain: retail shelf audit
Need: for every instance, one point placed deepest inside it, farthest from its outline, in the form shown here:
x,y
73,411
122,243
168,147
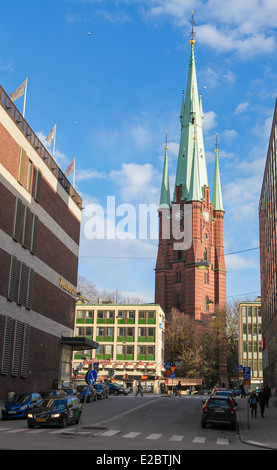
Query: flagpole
x,y
74,174
54,142
25,92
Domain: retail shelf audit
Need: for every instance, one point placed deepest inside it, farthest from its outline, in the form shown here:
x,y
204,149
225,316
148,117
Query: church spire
x,y
217,194
191,126
165,190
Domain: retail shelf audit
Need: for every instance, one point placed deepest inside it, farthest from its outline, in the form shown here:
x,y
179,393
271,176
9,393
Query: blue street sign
x,y
173,375
91,377
167,365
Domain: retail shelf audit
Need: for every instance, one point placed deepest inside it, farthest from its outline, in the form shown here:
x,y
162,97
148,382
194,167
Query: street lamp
x,y
202,265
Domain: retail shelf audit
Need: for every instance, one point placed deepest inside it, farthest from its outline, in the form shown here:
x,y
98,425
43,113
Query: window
x,y
29,176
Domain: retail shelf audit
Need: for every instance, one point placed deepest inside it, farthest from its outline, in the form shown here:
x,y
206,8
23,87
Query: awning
x,y
79,343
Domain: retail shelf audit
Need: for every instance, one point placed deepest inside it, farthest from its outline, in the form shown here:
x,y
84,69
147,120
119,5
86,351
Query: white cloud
x,y
241,108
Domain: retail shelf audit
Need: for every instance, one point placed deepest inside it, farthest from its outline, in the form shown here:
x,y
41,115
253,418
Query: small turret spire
x,y
217,194
165,190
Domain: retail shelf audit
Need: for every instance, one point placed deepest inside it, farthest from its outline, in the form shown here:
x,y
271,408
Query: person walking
x,y
253,401
140,389
179,387
262,401
267,394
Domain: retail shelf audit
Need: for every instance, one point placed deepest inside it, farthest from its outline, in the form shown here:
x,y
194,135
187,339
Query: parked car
x,y
101,390
87,392
55,411
219,409
115,389
19,405
51,393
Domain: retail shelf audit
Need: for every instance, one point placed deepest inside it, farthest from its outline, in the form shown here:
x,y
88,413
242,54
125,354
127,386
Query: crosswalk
x,y
110,433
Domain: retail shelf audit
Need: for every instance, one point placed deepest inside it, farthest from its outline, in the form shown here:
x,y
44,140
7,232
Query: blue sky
x,y
110,74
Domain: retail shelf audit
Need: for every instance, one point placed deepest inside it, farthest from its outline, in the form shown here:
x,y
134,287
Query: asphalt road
x,y
119,425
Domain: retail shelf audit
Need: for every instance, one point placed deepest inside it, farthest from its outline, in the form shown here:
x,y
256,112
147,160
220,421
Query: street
x,y
126,423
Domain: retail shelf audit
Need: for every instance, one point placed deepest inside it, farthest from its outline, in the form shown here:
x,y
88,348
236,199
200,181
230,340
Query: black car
x,y
55,411
116,389
52,393
101,390
71,391
86,393
219,409
19,405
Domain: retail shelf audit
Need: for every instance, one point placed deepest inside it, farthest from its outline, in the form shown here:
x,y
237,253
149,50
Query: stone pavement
x,y
260,432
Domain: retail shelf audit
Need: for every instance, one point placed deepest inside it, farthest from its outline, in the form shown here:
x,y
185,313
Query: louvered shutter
x,y
30,289
16,348
25,351
26,229
6,346
17,220
34,234
12,279
38,186
21,285
22,166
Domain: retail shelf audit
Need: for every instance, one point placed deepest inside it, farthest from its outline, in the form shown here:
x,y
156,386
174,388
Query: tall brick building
x,y
40,215
190,226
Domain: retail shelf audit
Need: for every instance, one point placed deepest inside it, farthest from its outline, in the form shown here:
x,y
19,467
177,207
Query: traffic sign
x,y
167,365
91,377
173,375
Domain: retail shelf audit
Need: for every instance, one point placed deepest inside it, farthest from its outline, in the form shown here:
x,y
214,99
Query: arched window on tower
x,y
206,306
178,303
205,254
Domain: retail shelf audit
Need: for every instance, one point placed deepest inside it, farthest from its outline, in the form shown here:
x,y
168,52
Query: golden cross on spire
x,y
192,34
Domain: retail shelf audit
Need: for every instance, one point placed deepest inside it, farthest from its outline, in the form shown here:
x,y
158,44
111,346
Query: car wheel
x,y
31,425
64,421
203,423
116,392
90,398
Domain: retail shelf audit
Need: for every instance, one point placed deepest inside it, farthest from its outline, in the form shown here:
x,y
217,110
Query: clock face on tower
x,y
206,216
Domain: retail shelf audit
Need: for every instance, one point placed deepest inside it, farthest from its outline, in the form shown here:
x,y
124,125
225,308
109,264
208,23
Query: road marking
x,y
199,440
131,435
16,430
154,437
224,442
37,431
176,438
110,433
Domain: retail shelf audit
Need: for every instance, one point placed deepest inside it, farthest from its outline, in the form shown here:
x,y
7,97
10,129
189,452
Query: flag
x,y
51,135
19,92
70,167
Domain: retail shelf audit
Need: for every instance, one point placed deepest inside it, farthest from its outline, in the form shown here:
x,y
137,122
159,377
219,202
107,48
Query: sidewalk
x,y
260,432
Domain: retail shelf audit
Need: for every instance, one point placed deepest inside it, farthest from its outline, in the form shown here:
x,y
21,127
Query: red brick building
x,y
190,226
40,215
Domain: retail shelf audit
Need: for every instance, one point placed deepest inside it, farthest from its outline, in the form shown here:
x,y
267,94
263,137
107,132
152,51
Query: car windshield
x,y
82,388
19,398
52,403
224,393
217,403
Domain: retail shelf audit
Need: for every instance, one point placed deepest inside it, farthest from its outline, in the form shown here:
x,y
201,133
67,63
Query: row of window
x,y
21,283
25,227
109,316
122,352
123,333
16,344
34,176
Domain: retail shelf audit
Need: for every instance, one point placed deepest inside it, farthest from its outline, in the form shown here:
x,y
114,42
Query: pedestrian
x,y
140,389
179,387
267,394
242,391
262,401
253,401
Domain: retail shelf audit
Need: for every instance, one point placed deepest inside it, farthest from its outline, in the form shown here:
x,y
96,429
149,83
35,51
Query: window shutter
x,y
6,346
38,186
12,279
17,220
16,348
22,166
25,351
34,235
30,289
26,229
21,285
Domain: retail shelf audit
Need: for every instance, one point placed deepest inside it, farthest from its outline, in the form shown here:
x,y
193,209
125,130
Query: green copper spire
x,y
195,189
191,126
165,191
217,195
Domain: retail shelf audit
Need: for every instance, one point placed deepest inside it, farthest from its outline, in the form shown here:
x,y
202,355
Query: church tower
x,y
190,270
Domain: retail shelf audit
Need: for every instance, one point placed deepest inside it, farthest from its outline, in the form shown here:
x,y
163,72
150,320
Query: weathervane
x,y
192,34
